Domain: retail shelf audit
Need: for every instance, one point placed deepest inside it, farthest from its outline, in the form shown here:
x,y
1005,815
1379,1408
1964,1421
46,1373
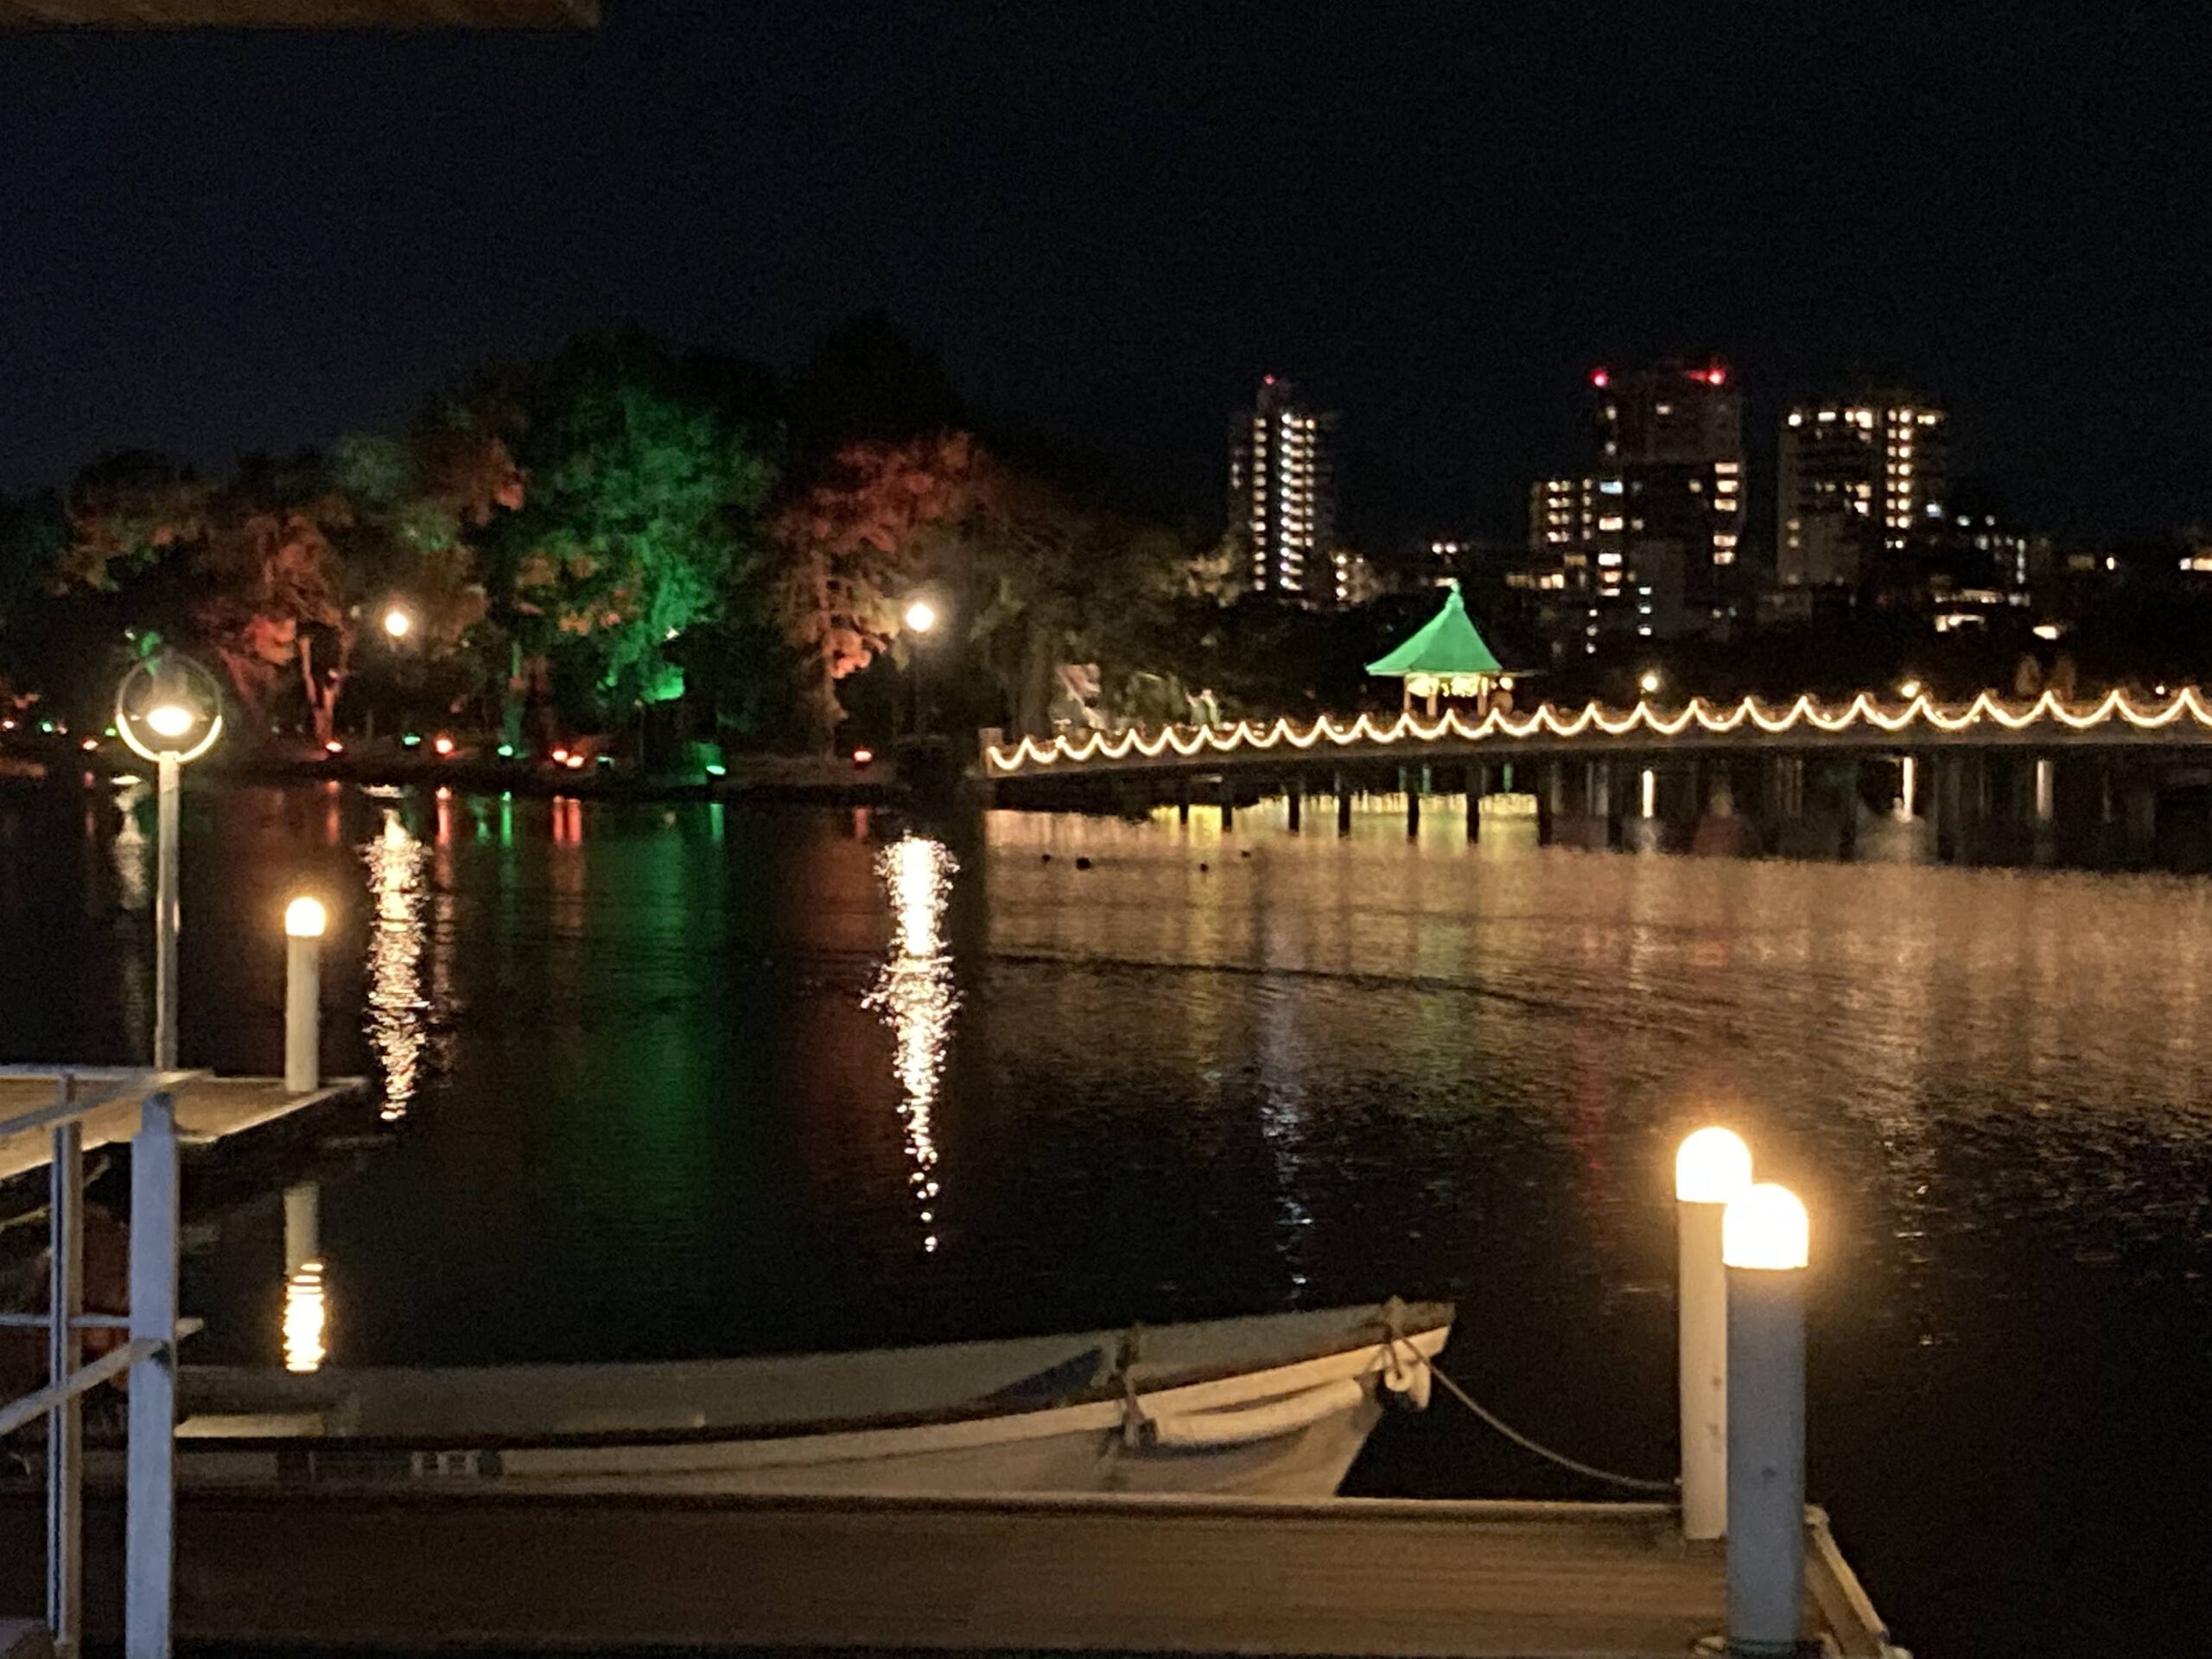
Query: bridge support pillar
x,y
1344,805
2044,849
2142,822
1294,796
1183,802
1947,810
1478,787
1227,804
1852,805
1406,782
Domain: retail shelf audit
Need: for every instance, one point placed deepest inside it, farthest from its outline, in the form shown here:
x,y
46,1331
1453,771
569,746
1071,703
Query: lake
x,y
665,1081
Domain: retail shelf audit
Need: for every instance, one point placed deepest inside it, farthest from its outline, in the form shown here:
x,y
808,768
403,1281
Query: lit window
x,y
1724,555
1611,522
1608,486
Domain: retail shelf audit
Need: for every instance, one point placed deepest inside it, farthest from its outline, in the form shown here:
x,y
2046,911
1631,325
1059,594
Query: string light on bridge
x,y
1863,711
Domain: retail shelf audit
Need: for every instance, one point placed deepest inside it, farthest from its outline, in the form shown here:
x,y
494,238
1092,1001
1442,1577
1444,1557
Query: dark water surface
x,y
696,1080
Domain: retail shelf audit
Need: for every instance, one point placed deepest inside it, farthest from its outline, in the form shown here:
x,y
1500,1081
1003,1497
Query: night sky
x,y
1109,218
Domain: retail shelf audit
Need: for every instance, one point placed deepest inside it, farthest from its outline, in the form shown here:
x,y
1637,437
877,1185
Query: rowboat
x,y
1276,1405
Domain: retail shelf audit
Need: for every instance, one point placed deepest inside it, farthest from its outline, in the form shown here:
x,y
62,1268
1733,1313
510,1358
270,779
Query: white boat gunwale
x,y
1196,1388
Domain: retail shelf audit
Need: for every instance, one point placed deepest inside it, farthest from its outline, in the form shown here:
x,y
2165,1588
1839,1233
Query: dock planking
x,y
417,1570
208,1108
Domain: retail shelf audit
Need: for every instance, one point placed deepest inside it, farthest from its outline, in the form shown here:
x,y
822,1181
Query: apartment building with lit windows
x,y
1857,478
1282,496
1648,542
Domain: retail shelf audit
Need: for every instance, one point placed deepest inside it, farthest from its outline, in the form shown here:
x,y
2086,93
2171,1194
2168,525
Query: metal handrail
x,y
150,1545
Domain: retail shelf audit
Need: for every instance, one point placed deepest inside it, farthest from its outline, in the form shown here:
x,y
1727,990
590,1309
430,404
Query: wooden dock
x,y
418,1569
208,1108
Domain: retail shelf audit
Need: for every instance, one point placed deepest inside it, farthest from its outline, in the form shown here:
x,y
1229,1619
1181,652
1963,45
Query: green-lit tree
x,y
647,475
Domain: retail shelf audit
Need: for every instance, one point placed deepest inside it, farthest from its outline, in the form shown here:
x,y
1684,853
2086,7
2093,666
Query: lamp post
x,y
920,618
1711,1167
397,623
1763,1243
167,710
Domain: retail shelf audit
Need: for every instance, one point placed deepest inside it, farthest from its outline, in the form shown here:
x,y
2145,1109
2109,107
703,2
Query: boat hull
x,y
1286,1430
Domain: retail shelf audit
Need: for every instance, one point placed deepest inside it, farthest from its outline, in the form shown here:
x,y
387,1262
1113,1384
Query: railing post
x,y
150,1536
65,1429
167,909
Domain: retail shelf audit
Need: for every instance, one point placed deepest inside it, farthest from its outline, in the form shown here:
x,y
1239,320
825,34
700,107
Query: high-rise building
x,y
1646,544
1674,436
1857,477
1282,496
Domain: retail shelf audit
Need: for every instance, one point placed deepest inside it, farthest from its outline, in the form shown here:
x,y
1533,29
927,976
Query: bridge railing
x,y
2186,711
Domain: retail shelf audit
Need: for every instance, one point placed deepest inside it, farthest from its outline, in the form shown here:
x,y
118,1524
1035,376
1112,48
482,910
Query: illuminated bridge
x,y
1804,773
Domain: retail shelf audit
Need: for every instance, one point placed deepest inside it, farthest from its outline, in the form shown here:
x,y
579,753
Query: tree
x,y
850,548
282,591
647,476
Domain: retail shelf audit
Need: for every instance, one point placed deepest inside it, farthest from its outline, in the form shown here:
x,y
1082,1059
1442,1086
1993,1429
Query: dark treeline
x,y
624,532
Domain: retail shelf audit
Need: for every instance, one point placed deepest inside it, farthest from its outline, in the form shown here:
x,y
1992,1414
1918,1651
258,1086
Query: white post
x,y
1763,1243
303,926
1711,1167
1650,793
65,1433
150,1535
165,910
1907,785
2046,792
302,1226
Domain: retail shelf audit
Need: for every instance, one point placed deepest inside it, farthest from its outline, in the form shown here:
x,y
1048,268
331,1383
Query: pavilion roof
x,y
1447,645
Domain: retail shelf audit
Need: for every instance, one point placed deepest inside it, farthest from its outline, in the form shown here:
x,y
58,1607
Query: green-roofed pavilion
x,y
1446,658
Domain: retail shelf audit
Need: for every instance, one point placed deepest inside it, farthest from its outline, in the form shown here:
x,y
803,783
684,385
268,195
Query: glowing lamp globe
x,y
397,622
1650,682
1713,1166
921,616
1910,690
1765,1227
304,919
168,719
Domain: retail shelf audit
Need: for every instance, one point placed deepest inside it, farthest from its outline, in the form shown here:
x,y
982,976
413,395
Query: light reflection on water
x,y
915,994
396,1008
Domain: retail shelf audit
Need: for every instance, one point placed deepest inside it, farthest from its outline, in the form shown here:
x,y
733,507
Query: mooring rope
x,y
1633,1483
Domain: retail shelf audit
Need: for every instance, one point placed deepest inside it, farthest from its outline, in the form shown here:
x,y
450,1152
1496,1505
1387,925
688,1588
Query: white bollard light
x,y
1764,1242
1711,1167
304,924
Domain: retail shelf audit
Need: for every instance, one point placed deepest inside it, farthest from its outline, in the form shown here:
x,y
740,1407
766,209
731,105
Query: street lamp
x,y
168,710
920,618
397,623
1650,682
